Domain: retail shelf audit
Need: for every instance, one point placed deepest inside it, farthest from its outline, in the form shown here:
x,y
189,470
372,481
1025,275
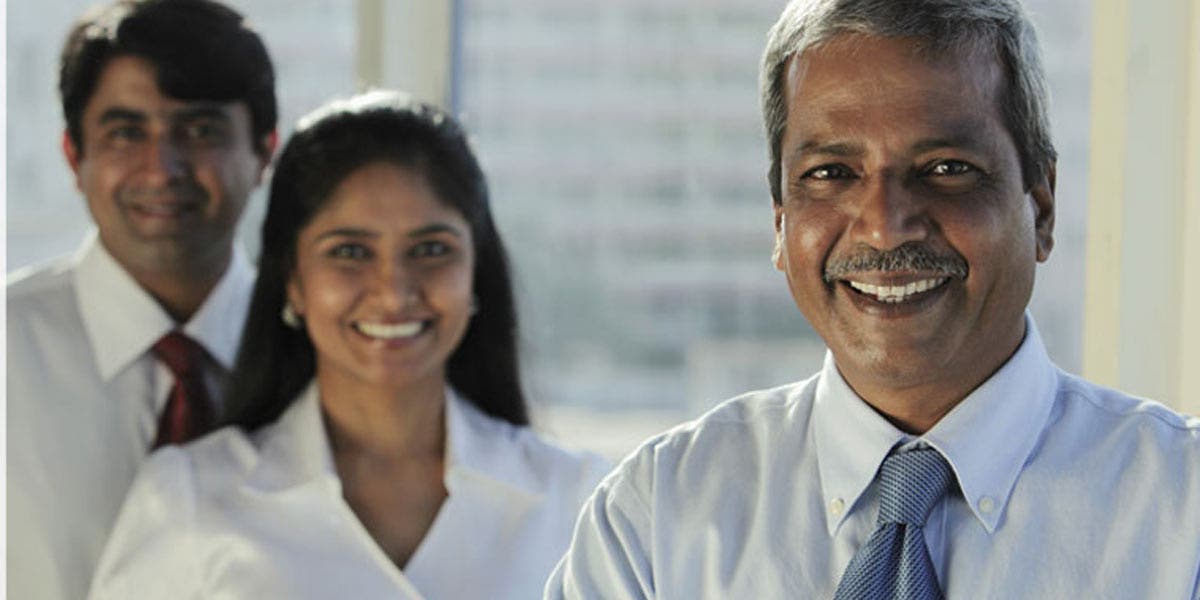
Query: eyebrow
x,y
433,228
199,112
121,114
358,233
832,149
957,136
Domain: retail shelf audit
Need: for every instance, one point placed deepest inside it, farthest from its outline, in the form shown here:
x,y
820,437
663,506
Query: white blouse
x,y
262,516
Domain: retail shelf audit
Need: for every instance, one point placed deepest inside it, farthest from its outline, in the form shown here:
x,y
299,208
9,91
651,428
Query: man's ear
x,y
777,253
72,154
266,150
1042,194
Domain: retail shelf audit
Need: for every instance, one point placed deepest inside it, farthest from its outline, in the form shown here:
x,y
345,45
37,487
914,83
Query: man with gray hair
x,y
939,452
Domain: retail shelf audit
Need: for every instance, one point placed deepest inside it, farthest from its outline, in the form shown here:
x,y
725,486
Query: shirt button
x,y
986,504
836,506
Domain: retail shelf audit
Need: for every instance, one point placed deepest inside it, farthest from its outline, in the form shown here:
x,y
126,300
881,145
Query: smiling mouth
x,y
390,331
165,209
896,294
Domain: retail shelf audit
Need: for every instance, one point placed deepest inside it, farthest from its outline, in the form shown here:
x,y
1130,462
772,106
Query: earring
x,y
289,317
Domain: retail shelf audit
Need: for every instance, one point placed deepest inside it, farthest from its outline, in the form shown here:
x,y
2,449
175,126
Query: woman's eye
x,y
828,172
949,168
350,252
429,249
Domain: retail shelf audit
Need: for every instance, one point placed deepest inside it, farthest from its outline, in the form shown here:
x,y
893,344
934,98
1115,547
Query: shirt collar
x,y
217,325
481,448
851,441
986,438
295,449
122,321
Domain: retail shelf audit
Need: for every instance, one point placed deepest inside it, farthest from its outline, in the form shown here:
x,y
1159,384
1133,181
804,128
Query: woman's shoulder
x,y
521,452
222,456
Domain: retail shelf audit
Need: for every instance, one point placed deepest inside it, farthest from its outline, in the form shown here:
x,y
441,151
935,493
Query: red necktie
x,y
188,413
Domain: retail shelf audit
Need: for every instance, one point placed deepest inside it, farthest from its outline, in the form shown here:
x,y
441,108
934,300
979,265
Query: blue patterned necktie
x,y
894,564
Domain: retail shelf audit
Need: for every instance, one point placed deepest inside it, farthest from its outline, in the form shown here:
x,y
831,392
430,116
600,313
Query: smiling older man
x,y
939,452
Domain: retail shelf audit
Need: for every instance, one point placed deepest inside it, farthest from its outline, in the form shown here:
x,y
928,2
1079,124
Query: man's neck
x,y
181,286
916,406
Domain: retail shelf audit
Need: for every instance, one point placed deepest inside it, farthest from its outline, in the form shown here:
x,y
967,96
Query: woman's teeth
x,y
390,331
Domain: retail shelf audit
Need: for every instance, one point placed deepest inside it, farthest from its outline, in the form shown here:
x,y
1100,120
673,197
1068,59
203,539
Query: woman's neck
x,y
384,423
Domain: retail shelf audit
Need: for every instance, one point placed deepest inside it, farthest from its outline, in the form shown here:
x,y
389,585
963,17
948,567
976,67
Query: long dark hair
x,y
276,362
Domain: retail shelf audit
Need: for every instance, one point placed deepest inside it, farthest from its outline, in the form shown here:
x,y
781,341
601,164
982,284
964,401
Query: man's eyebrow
x,y
825,149
200,111
956,140
969,134
121,114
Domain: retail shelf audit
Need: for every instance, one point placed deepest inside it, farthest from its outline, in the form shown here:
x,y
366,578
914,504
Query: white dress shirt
x,y
263,516
84,395
1067,490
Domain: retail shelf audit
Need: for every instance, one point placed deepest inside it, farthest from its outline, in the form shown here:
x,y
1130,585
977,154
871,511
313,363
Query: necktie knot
x,y
910,483
187,413
182,355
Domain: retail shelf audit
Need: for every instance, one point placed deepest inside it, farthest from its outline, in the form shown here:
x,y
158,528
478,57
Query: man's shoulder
x,y
1124,410
41,308
1095,420
29,286
749,419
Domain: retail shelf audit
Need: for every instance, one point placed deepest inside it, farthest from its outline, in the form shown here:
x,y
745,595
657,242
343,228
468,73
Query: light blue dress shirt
x,y
1067,490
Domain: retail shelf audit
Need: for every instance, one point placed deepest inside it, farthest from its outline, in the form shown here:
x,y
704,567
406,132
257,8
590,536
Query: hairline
x,y
797,31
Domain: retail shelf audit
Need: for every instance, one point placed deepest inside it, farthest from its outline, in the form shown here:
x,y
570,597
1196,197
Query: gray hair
x,y
940,27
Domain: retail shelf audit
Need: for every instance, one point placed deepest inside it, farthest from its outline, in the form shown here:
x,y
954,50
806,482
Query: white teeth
x,y
894,294
392,331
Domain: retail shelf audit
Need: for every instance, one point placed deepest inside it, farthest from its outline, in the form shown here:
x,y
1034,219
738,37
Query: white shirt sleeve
x,y
152,552
609,555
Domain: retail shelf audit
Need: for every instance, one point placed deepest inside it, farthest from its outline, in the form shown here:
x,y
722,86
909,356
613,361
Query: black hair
x,y
275,362
202,50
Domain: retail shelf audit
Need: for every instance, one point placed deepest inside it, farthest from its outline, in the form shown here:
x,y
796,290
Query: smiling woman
x,y
383,279
379,360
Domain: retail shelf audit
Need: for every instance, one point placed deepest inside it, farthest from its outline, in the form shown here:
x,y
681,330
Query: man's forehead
x,y
853,76
847,55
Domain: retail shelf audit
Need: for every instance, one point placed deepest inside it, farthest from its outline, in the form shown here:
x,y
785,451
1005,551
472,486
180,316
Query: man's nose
x,y
165,159
888,214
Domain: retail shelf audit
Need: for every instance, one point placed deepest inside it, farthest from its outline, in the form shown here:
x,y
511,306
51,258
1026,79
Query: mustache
x,y
911,256
182,190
